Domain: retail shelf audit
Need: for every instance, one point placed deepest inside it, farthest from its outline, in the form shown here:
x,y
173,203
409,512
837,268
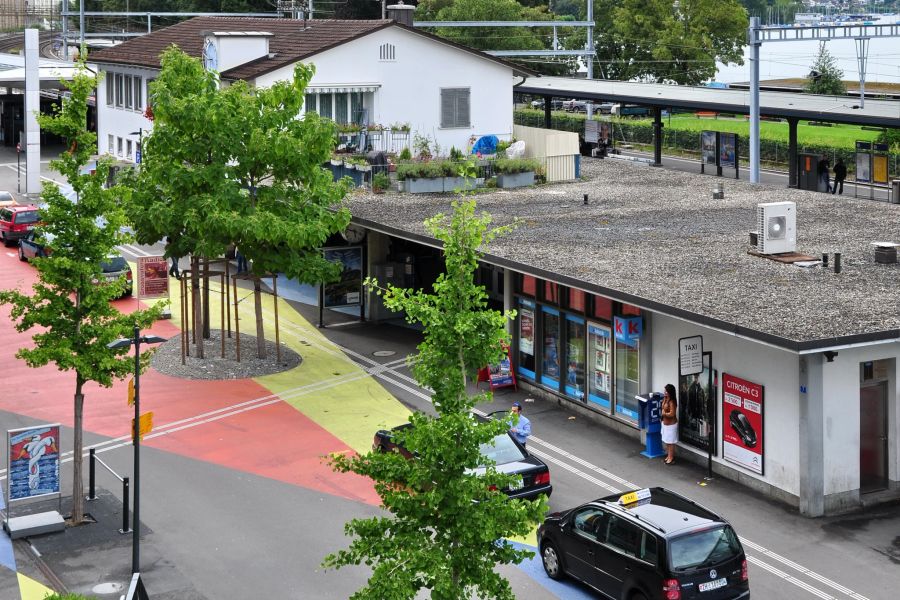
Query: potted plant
x,y
515,172
380,182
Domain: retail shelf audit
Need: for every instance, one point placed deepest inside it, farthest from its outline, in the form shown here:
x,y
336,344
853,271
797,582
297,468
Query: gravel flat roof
x,y
656,238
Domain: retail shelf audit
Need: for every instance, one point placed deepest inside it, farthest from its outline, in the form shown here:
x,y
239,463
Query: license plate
x,y
516,485
29,227
713,585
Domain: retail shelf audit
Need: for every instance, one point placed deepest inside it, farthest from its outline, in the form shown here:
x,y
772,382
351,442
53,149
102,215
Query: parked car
x,y
16,222
30,247
115,268
630,110
605,108
510,457
555,104
575,105
650,544
6,199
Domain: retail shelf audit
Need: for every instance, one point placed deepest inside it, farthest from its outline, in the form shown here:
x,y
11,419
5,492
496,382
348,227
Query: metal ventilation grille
x,y
777,227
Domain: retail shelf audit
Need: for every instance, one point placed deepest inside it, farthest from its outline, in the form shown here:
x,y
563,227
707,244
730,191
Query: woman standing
x,y
670,422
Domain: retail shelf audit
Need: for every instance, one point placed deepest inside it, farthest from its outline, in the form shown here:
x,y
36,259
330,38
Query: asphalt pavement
x,y
236,502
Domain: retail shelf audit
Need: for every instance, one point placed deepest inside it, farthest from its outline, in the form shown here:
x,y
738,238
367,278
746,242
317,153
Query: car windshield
x,y
6,197
114,264
27,216
704,548
502,450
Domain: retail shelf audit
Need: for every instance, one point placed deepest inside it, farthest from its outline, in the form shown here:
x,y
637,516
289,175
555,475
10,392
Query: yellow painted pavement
x,y
29,589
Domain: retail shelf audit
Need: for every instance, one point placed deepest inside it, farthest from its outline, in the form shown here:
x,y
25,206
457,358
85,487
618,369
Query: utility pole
x,y
590,47
754,99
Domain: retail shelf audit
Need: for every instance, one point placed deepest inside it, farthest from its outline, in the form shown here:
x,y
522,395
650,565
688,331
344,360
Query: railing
x,y
380,140
126,487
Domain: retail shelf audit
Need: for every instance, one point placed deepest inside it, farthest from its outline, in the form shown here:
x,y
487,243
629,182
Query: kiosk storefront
x,y
579,346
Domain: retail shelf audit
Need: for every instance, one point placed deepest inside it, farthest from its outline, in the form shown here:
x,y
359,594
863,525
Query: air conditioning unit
x,y
777,227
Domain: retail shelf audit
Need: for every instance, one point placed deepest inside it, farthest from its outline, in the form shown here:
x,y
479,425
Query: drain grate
x,y
383,353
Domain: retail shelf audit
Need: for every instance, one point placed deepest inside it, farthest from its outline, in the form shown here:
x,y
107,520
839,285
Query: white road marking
x,y
790,578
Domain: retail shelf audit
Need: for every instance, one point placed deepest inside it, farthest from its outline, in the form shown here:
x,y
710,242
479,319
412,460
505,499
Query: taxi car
x,y
509,455
650,544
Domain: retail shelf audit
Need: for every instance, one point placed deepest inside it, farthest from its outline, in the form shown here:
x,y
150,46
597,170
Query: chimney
x,y
401,13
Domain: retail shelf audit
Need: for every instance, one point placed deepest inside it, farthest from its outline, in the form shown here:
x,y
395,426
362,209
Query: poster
x,y
347,291
697,407
599,362
742,422
863,167
526,331
879,168
605,138
33,461
727,149
708,147
501,374
153,277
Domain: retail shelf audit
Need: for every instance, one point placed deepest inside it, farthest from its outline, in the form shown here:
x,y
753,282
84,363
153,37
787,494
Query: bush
x,y
380,182
510,166
426,170
405,154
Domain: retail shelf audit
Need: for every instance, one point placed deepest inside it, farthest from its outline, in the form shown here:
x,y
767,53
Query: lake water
x,y
780,60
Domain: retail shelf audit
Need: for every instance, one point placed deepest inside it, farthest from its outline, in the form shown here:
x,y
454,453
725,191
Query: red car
x,y
16,222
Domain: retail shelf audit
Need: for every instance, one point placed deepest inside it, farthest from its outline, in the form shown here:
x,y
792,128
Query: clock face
x,y
210,56
354,234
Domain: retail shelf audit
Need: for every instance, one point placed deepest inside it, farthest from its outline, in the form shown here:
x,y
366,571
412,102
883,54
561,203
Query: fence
x,y
379,140
126,486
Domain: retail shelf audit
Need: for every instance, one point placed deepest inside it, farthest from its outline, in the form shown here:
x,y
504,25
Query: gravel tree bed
x,y
167,359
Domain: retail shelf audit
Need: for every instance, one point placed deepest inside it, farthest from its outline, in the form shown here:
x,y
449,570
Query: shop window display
x,y
550,367
627,378
526,364
599,364
575,344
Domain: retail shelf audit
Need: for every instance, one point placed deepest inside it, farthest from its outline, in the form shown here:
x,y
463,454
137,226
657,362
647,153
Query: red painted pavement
x,y
275,441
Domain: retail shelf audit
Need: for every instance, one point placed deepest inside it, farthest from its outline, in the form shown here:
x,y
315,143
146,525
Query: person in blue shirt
x,y
522,429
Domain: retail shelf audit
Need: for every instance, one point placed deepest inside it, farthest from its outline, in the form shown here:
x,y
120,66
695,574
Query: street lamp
x,y
140,152
136,515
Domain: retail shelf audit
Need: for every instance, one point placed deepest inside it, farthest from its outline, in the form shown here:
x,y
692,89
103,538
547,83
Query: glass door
x,y
526,364
575,344
550,335
599,364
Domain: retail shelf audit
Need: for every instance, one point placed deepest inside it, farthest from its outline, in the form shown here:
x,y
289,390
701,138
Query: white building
x,y
367,72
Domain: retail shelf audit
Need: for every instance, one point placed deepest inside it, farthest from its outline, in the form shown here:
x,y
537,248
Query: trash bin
x,y
650,423
895,191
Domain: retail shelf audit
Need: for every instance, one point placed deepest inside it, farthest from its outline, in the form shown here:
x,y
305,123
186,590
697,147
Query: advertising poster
x,y
501,375
33,461
599,363
708,147
153,277
863,167
347,291
880,168
697,407
526,331
742,422
605,137
727,149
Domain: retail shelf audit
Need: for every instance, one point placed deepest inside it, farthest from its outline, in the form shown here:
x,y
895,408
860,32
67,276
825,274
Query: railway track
x,y
14,43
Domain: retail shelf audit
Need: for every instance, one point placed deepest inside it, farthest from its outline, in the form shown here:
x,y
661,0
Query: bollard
x,y
825,259
585,199
125,504
837,262
92,495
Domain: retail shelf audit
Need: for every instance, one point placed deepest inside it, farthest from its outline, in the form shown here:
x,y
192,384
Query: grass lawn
x,y
843,136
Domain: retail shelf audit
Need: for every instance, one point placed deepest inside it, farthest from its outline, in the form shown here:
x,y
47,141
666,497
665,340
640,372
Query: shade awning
x,y
342,88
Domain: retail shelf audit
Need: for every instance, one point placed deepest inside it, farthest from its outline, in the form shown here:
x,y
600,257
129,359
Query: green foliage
x,y
236,165
455,153
427,170
825,77
892,138
487,38
510,166
405,154
446,527
380,182
70,315
69,597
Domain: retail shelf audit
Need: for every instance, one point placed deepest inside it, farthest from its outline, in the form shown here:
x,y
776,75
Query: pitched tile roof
x,y
292,40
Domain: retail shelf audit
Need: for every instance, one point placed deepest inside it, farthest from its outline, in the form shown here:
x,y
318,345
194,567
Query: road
x,y
237,503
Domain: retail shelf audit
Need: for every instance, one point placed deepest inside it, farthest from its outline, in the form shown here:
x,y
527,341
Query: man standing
x,y
521,428
824,173
840,173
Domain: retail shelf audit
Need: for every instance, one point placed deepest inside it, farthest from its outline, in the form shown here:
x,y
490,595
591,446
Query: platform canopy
x,y
52,72
836,109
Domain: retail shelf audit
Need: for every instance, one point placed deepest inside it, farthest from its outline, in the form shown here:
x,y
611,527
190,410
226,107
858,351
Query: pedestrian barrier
x,y
126,487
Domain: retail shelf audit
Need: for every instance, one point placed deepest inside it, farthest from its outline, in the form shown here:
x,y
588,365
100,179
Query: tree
x,y
825,77
73,315
488,38
447,524
235,164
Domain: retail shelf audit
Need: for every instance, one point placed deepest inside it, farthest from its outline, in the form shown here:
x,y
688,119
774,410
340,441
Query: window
x,y
120,92
575,343
648,548
128,148
628,363
387,52
628,309
138,93
325,105
110,89
129,91
110,143
526,339
603,308
340,108
528,285
455,107
623,536
590,521
149,95
356,109
550,336
551,292
576,300
310,103
119,146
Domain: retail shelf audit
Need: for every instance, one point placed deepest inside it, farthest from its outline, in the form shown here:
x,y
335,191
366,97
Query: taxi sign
x,y
131,392
146,425
634,497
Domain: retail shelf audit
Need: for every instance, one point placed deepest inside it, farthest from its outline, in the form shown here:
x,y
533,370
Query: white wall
x,y
409,89
120,122
776,370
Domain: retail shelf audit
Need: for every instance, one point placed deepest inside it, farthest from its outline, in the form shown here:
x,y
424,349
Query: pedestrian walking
x,y
840,174
241,261
824,170
173,270
669,410
520,429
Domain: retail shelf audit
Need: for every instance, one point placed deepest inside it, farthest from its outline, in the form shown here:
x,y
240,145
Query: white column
x,y
754,99
32,108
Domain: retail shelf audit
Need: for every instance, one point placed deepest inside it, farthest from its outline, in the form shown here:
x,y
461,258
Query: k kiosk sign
x,y
628,330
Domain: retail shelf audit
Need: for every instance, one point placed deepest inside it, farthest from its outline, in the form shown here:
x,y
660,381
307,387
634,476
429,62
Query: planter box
x,y
424,186
514,180
451,184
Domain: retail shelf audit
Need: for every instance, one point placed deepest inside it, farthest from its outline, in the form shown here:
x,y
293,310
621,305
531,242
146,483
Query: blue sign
x,y
33,462
137,156
628,330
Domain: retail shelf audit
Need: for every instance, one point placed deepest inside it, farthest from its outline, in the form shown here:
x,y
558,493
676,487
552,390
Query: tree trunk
x,y
260,333
207,317
77,479
197,306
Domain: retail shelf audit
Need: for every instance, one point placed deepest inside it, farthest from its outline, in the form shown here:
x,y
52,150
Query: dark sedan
x,y
116,268
510,457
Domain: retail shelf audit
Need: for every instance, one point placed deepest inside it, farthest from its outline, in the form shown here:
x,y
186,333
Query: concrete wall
x,y
409,93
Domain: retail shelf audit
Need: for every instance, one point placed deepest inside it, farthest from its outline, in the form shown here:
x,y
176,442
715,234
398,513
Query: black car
x,y
651,544
742,427
509,455
115,268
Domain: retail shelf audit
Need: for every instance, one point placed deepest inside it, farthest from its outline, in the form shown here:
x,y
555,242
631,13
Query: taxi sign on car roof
x,y
634,497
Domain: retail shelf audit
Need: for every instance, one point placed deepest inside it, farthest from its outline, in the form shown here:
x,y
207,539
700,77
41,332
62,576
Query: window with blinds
x,y
455,107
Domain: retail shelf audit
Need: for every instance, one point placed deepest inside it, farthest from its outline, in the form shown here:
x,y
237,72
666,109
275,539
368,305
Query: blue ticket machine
x,y
650,423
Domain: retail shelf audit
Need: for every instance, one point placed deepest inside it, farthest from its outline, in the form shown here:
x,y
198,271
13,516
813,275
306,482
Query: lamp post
x,y
136,515
140,152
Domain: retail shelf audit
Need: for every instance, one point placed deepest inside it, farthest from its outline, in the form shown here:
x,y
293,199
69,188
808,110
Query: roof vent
x,y
401,13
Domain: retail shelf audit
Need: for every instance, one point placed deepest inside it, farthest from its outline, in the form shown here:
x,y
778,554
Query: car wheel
x,y
552,563
21,254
